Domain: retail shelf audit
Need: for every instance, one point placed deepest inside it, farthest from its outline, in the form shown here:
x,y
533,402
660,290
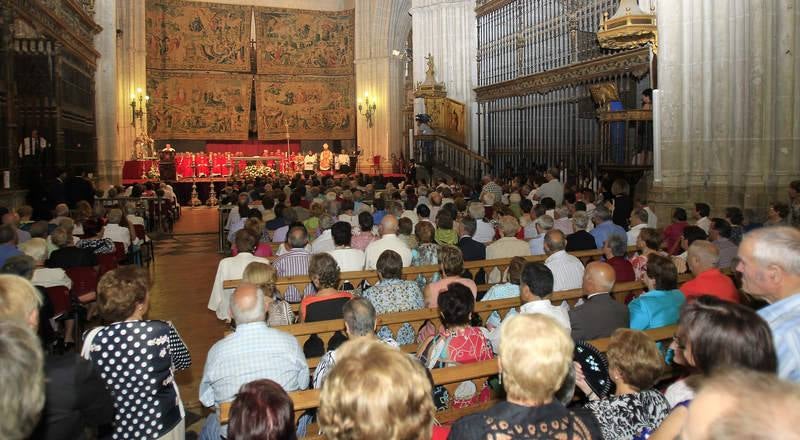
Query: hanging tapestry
x,y
196,35
314,107
186,106
298,42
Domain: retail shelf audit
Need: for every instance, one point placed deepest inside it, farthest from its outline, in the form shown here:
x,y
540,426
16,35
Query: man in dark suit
x,y
471,249
600,314
580,240
79,187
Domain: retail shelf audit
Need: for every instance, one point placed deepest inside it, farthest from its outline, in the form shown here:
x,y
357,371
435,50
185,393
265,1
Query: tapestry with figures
x,y
447,117
313,107
299,42
197,35
185,106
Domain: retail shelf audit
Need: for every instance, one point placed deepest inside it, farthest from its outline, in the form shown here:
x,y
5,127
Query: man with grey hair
x,y
484,231
604,226
702,260
567,269
117,233
295,262
769,261
553,188
388,241
324,242
580,240
21,379
638,222
62,212
360,321
614,251
542,225
254,351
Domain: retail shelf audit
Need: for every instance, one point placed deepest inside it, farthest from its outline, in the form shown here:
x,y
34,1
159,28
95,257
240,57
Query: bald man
x,y
702,259
599,314
254,351
567,269
388,241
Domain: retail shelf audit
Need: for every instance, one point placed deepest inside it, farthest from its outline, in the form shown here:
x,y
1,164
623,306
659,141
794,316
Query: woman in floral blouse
x,y
649,242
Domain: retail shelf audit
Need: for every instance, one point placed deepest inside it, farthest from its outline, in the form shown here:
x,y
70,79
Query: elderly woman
x,y
262,410
614,249
634,364
714,335
118,230
427,251
394,294
661,305
451,266
279,311
137,358
458,342
535,357
648,243
362,397
328,301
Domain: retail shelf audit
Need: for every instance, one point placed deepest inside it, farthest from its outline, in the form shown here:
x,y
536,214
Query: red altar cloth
x,y
133,169
251,149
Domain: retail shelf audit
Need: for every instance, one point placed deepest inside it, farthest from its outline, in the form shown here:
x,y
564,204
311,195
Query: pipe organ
x,y
536,59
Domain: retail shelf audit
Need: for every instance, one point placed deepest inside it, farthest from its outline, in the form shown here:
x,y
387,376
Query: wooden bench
x,y
450,378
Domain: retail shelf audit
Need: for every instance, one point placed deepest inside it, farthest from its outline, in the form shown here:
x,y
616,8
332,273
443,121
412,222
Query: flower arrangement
x,y
256,171
153,173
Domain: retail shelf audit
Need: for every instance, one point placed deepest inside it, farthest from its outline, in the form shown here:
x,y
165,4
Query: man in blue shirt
x,y
8,243
770,267
604,226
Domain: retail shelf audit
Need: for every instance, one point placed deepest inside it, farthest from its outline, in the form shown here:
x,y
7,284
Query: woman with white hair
x,y
535,357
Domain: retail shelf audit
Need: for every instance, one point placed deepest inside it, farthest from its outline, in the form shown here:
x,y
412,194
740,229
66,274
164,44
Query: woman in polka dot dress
x,y
137,358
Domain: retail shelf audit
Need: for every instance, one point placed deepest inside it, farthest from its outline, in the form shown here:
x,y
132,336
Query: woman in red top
x,y
673,232
328,301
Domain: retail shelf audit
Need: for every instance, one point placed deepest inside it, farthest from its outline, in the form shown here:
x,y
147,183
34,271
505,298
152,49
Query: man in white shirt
x,y
543,224
567,269
388,240
115,232
348,259
652,219
701,213
553,188
231,268
639,219
410,213
484,231
536,287
324,242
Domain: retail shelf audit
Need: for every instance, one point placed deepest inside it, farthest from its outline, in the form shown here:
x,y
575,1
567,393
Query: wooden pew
x,y
450,378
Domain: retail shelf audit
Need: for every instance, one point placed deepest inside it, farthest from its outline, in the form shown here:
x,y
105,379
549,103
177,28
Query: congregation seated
x,y
471,249
255,226
535,357
712,336
295,262
457,342
405,232
8,243
484,231
451,265
324,242
604,227
567,269
690,234
231,268
264,276
445,231
22,379
542,225
506,246
673,233
241,357
117,232
510,288
702,260
362,397
599,315
12,219
326,303
45,277
348,258
635,409
660,306
360,321
388,241
647,243
720,234
615,249
639,221
427,250
123,300
262,409
67,255
365,235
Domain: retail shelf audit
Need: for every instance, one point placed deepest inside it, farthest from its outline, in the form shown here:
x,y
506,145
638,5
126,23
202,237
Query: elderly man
x,y
471,249
62,212
614,251
604,226
254,351
638,221
324,242
702,260
484,232
295,262
720,235
567,269
553,188
231,268
543,225
388,241
117,233
769,260
600,314
360,319
507,246
580,240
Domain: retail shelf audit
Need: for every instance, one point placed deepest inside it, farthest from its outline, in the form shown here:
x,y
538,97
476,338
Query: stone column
x,y
105,15
730,108
381,26
447,29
